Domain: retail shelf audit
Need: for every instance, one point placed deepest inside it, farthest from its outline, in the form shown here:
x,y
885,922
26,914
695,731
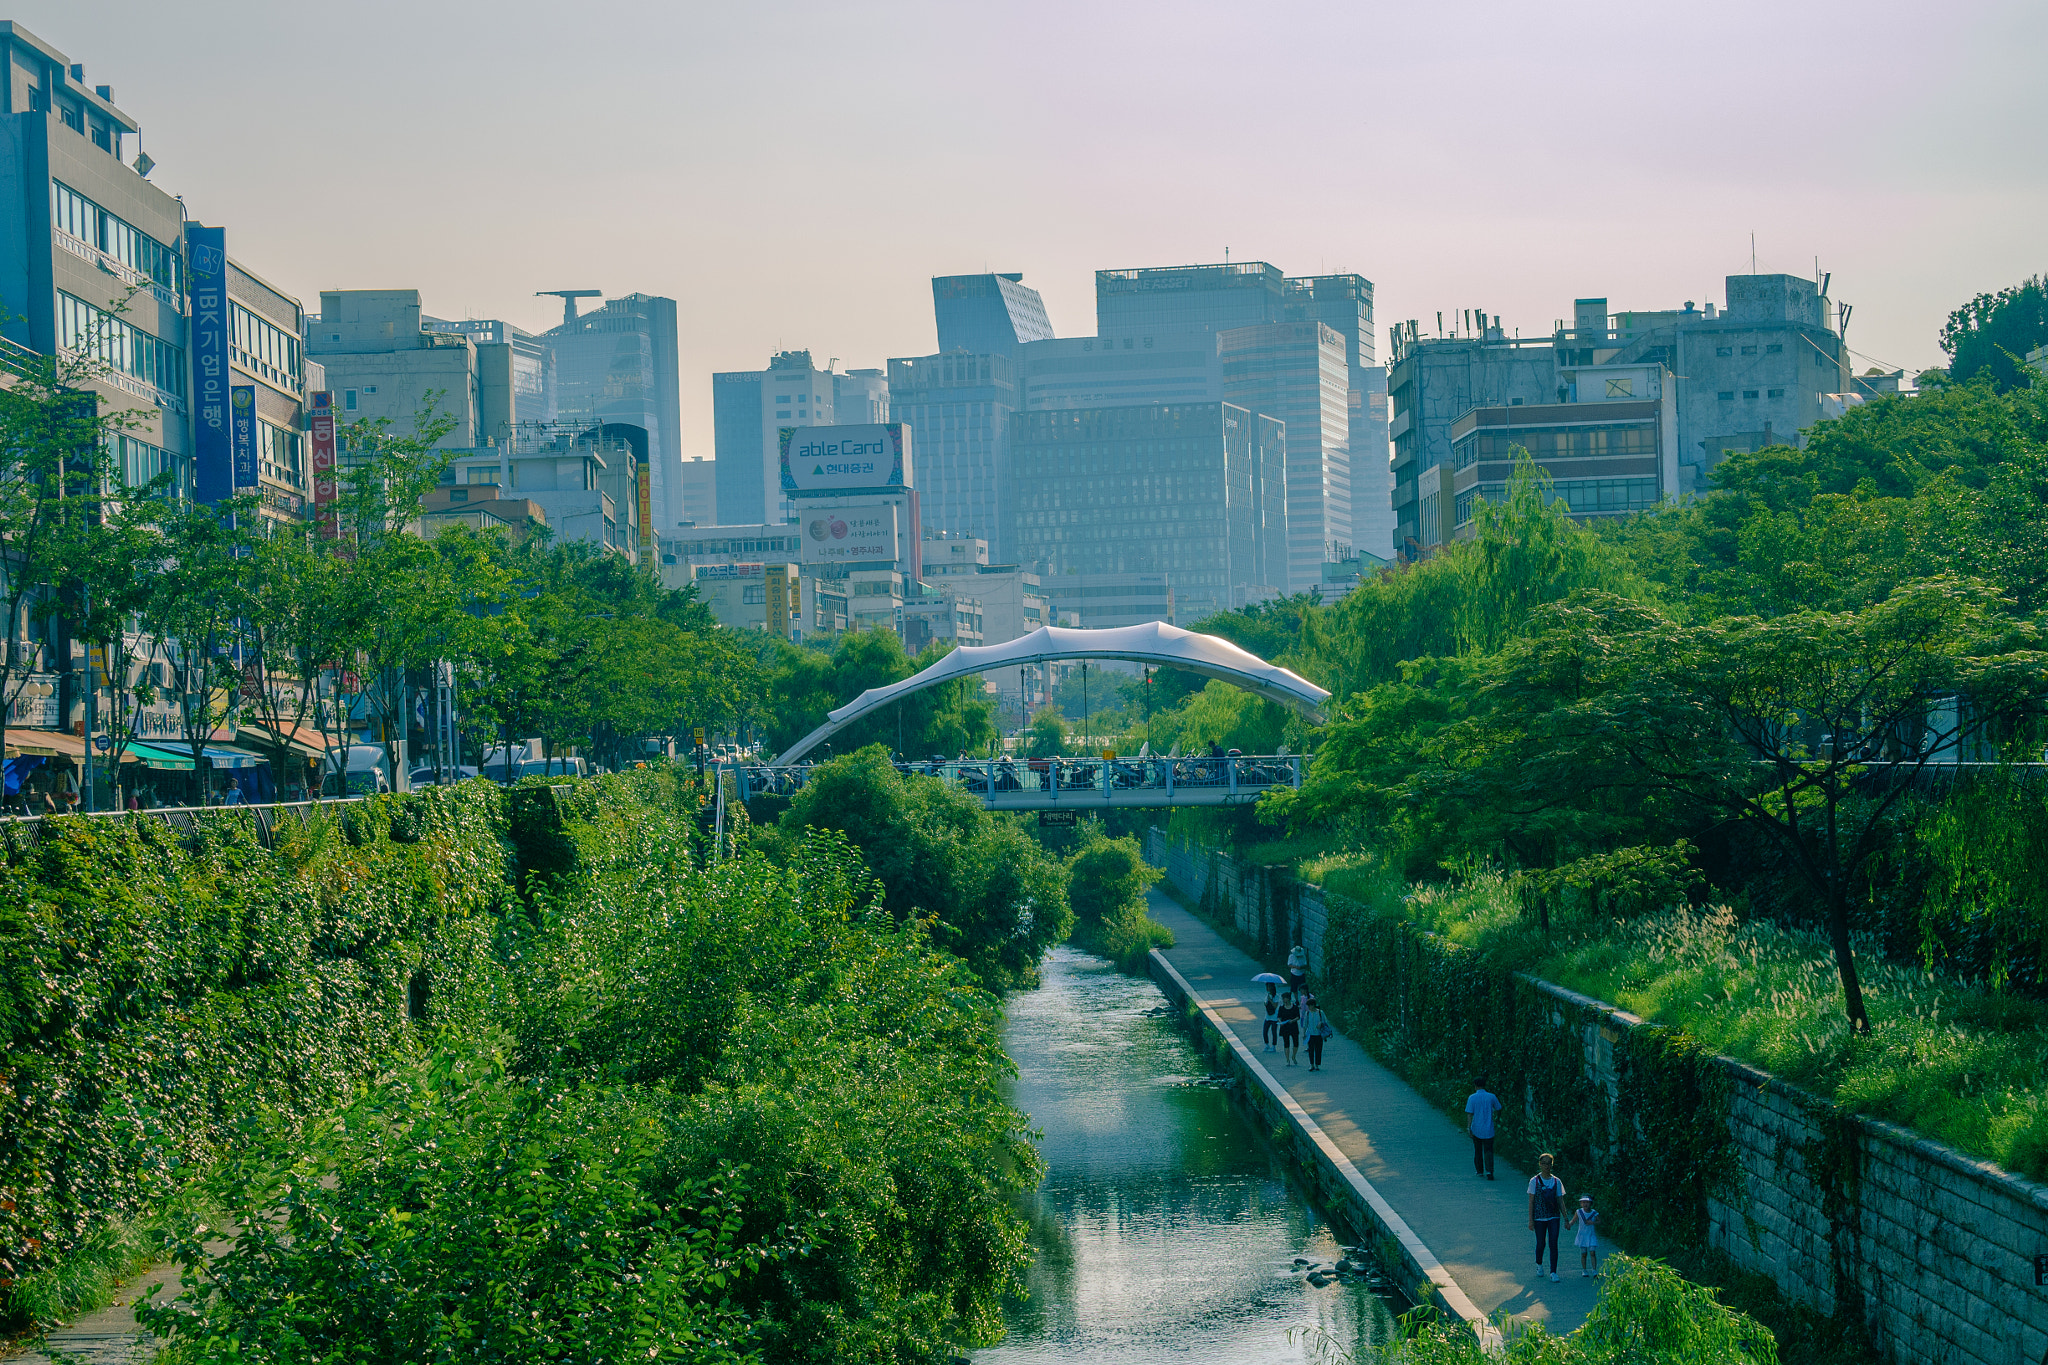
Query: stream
x,y
1165,1228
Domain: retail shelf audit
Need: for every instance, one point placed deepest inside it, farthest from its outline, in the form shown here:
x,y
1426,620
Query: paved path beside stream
x,y
1418,1160
110,1336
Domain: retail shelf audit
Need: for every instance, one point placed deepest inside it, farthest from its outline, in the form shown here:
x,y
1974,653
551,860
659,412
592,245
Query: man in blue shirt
x,y
1479,1112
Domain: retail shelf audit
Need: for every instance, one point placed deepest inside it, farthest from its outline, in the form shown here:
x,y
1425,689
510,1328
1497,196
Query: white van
x,y
362,768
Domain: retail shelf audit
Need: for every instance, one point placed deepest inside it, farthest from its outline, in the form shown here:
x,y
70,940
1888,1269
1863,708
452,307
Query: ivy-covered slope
x,y
164,989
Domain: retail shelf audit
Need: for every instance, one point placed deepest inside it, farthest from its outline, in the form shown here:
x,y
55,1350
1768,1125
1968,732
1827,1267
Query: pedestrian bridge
x,y
1076,784
1154,643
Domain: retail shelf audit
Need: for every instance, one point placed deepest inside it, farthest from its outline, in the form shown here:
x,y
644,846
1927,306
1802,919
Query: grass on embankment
x,y
1953,1061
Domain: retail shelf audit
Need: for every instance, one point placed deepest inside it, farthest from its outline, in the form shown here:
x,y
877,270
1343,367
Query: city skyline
x,y
1887,160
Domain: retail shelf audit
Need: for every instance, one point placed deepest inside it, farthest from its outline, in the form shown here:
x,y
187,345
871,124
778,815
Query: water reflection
x,y
1164,1231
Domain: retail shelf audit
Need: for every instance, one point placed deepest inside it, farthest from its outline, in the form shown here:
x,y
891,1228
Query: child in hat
x,y
1586,1240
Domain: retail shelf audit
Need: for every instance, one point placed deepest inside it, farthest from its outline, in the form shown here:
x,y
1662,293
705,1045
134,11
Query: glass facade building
x,y
618,364
749,408
1296,372
1188,298
958,408
1192,491
987,314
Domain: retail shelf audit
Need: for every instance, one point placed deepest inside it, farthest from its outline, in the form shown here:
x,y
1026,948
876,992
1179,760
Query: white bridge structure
x,y
1063,783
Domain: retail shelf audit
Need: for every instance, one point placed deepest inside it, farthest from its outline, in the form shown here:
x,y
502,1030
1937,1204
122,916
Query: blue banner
x,y
242,433
212,447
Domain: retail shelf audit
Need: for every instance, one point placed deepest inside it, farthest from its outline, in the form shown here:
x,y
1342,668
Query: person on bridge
x,y
1480,1109
1290,1026
1546,1210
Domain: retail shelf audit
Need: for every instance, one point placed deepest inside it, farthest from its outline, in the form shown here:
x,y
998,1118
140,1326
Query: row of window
x,y
119,344
1728,395
1582,496
277,454
1773,349
80,217
1555,445
262,347
138,462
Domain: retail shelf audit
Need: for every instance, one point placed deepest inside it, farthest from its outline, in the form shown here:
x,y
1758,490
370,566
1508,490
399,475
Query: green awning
x,y
151,757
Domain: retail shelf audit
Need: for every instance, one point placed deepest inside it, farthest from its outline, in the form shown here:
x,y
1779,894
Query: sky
x,y
793,174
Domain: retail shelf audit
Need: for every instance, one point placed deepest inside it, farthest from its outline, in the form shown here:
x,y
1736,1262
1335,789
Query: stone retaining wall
x,y
1269,907
1931,1250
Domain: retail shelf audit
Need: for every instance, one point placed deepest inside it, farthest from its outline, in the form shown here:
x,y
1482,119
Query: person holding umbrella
x,y
1273,984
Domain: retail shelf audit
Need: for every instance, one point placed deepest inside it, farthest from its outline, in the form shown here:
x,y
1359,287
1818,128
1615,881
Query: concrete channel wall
x,y
1935,1252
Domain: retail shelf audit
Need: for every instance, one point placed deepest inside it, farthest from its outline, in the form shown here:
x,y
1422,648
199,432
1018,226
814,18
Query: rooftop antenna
x,y
568,298
1752,253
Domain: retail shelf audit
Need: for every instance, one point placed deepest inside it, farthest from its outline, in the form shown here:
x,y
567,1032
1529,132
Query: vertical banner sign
x,y
322,424
212,461
242,433
646,507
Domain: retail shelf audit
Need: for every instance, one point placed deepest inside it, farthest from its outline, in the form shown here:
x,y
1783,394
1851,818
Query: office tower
x,y
383,364
1192,491
859,397
533,361
1344,304
617,366
700,491
1188,298
958,407
1107,371
748,410
1296,372
987,314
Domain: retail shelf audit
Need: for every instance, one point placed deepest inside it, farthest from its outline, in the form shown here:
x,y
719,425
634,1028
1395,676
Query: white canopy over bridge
x,y
1155,643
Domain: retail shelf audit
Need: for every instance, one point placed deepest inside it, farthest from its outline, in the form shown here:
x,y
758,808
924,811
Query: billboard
x,y
207,275
644,492
242,433
865,533
822,461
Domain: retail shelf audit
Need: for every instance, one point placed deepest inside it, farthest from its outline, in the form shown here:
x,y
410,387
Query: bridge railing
x,y
1048,781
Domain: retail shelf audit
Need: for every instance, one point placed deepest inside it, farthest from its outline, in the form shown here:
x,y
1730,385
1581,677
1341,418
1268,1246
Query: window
x,y
1620,388
138,462
277,454
348,399
1749,393
119,345
369,388
1749,350
1726,395
1724,350
262,347
77,216
1777,393
1773,349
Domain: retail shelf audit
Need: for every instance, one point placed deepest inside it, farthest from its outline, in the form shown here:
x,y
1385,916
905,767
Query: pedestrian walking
x,y
1290,1026
1316,1027
1546,1210
1585,1239
1297,968
1272,1015
1480,1108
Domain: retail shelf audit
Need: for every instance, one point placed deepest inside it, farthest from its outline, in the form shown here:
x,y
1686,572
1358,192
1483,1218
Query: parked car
x,y
361,769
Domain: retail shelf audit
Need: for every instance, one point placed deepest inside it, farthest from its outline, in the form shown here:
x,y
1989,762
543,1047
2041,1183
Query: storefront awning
x,y
304,738
228,756
149,756
45,744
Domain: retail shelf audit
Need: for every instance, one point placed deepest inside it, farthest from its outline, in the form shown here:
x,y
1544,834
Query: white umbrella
x,y
1263,977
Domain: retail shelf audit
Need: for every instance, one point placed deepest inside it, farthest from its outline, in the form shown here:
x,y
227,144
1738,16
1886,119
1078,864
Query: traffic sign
x,y
697,736
102,743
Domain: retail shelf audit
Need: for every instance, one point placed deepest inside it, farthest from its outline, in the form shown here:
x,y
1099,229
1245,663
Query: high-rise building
x,y
958,406
700,492
859,397
987,314
749,408
1125,371
1192,491
1344,304
617,366
1188,298
533,361
1296,372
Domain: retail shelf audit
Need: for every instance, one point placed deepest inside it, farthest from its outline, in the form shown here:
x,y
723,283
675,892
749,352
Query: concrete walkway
x,y
1418,1160
110,1336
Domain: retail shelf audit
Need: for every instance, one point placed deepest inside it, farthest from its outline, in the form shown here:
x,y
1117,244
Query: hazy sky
x,y
792,174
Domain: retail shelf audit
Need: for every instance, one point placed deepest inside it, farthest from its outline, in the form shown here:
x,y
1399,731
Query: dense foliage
x,y
1106,883
800,685
988,891
1992,334
734,1113
166,992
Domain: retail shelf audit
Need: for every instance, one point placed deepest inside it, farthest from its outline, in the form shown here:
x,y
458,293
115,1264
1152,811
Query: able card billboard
x,y
822,461
862,534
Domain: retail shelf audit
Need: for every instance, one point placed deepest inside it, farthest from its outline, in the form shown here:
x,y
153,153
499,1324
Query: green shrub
x,y
1106,884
